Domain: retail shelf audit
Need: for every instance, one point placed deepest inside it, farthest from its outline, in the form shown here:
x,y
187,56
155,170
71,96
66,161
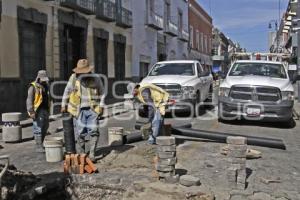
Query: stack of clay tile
x,y
78,164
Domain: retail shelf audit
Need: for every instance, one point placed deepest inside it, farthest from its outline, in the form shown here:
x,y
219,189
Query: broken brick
x,y
88,169
91,164
82,159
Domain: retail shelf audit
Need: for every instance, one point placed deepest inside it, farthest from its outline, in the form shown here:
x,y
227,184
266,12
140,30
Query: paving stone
x,y
166,154
165,168
188,180
167,161
165,140
168,148
11,117
166,174
172,179
236,140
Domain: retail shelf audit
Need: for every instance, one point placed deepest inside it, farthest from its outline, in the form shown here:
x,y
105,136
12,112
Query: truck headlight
x,y
188,89
224,92
287,95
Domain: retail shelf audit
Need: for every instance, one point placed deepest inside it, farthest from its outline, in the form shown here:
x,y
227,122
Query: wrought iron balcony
x,y
155,21
171,29
124,19
106,10
84,6
183,35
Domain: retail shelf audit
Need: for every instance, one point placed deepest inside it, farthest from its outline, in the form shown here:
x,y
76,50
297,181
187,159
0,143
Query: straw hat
x,y
83,67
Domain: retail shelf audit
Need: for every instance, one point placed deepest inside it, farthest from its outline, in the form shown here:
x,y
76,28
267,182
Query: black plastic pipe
x,y
132,138
68,127
138,125
221,137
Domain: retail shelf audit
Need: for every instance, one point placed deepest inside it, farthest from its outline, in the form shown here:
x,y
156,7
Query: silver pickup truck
x,y
256,90
187,82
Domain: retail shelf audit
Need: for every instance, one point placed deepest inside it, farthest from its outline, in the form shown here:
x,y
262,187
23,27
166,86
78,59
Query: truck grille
x,y
172,89
255,93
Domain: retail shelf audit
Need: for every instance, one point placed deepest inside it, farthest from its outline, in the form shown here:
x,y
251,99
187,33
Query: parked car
x,y
256,90
187,82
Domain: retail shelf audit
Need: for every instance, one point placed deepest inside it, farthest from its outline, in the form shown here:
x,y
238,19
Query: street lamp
x,y
276,29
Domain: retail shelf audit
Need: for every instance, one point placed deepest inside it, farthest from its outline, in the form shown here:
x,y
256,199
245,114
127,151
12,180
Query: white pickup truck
x,y
187,82
256,90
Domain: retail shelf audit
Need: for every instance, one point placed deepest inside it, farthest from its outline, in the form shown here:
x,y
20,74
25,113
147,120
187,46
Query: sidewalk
x,y
110,111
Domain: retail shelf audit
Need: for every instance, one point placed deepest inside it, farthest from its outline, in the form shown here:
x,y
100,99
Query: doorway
x,y
73,48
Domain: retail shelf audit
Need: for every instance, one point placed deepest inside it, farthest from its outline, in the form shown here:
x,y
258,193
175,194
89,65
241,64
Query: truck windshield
x,y
258,69
184,69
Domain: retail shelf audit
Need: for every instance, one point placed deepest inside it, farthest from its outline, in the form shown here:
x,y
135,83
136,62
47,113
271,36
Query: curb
x,y
28,122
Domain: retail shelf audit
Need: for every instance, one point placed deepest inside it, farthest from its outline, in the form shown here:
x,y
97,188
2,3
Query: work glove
x,y
32,115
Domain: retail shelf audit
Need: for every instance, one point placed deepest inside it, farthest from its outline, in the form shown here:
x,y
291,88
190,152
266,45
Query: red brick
x,y
91,164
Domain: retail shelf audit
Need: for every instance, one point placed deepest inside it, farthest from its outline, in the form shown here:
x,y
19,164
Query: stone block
x,y
11,117
165,140
164,168
236,140
167,161
172,179
166,155
169,148
188,181
237,160
166,174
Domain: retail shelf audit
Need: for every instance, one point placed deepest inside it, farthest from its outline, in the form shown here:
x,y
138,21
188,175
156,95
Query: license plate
x,y
253,111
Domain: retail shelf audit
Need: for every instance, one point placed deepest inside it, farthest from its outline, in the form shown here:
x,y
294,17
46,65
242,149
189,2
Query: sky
x,y
245,21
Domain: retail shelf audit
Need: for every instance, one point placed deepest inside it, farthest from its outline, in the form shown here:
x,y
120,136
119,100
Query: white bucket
x,y
54,149
115,136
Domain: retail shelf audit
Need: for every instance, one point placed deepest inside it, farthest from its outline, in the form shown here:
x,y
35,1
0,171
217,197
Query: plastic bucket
x,y
115,136
54,149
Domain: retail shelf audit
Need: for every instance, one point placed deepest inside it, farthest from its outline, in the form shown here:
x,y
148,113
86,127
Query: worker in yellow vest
x,y
84,100
38,101
156,100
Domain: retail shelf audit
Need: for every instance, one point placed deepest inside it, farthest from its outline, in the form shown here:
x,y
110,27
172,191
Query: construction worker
x,y
83,99
156,100
38,101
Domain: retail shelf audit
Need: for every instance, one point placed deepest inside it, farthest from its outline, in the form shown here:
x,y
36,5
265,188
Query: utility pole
x,y
298,49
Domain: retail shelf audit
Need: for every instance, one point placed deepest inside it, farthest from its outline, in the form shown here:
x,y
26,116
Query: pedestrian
x,y
156,100
83,99
38,105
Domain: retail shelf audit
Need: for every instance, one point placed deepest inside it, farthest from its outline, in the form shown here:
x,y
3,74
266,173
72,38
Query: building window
x,y
197,40
202,42
180,21
150,6
191,36
205,43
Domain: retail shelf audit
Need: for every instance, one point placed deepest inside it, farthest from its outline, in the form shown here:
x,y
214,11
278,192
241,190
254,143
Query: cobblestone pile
x,y
166,157
236,174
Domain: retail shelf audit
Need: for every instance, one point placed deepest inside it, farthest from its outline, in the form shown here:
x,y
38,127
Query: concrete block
x,y
236,140
12,134
167,161
239,166
171,148
172,179
165,168
166,174
237,153
11,117
166,154
188,181
165,140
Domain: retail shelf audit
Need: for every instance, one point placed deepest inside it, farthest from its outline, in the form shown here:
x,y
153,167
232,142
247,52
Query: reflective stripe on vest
x,y
38,97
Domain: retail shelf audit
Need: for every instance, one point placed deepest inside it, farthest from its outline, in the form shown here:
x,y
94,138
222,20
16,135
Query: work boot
x,y
80,145
39,143
93,146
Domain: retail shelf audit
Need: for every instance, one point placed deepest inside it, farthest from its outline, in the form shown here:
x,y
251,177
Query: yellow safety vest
x,y
38,97
159,96
75,98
